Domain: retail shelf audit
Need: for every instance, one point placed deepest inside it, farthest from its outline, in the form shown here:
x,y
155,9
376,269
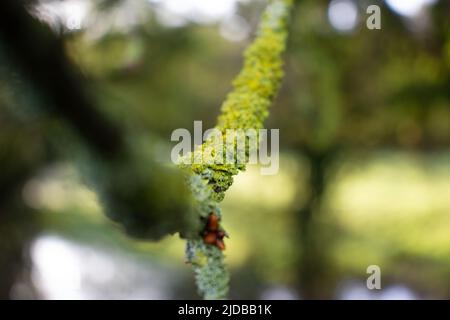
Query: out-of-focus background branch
x,y
147,198
86,113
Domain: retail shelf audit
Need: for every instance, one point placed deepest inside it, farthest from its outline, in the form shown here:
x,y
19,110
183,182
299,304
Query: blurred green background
x,y
364,119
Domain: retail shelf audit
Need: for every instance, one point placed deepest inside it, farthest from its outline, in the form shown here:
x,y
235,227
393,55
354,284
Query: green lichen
x,y
246,107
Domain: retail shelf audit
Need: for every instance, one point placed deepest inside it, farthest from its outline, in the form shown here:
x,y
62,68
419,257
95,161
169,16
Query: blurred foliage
x,y
364,119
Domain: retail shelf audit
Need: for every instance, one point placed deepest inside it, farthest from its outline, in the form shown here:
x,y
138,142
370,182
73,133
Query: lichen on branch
x,y
246,107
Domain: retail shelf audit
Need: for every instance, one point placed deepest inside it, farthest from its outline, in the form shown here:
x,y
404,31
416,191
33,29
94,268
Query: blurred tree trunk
x,y
22,153
10,257
312,273
17,229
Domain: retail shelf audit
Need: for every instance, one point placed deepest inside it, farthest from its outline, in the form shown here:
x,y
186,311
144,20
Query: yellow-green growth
x,y
246,107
